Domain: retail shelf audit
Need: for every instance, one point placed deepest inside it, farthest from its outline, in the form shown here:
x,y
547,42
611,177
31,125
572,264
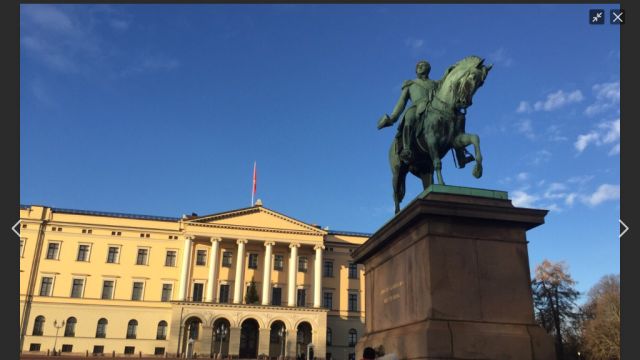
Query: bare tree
x,y
602,326
554,300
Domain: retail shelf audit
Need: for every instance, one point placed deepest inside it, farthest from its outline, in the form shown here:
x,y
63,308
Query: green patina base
x,y
460,190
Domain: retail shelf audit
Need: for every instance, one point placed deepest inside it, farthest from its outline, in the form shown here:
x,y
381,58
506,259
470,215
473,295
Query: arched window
x,y
162,331
132,329
38,326
353,337
70,327
101,330
329,337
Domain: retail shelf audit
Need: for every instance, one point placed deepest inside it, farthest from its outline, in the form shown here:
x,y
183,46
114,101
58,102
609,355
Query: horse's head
x,y
462,80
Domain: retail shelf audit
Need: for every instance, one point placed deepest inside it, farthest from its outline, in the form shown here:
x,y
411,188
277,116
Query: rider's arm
x,y
402,102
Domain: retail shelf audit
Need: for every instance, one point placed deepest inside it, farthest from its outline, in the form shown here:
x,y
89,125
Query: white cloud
x,y
605,192
541,157
500,56
414,43
555,191
581,179
607,133
119,24
557,100
584,140
522,199
523,176
48,17
553,102
554,134
607,98
567,192
552,207
525,127
615,150
524,107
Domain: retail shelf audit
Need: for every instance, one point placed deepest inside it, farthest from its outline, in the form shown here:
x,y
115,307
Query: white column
x,y
266,277
239,284
293,271
186,263
213,270
317,276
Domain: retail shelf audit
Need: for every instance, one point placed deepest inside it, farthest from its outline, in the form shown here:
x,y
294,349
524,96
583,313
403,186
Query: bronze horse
x,y
441,128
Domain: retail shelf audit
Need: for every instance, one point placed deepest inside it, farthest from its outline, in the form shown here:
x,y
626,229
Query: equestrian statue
x,y
434,123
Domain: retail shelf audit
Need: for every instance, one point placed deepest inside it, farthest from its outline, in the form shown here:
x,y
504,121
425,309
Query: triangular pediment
x,y
257,217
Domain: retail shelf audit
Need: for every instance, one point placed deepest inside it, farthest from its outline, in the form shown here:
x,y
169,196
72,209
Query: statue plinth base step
x,y
448,278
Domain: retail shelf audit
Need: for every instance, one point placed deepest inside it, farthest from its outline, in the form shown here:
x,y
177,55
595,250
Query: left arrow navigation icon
x,y
15,228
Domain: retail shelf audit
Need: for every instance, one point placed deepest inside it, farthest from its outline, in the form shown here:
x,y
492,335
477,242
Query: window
x,y
113,255
224,293
116,233
253,261
101,329
167,290
129,350
107,289
76,288
136,293
353,337
201,257
227,258
302,264
161,334
329,337
70,327
142,256
170,260
83,253
327,268
46,286
276,296
198,289
67,348
327,300
302,294
38,326
145,235
278,263
98,349
353,271
21,247
158,351
132,329
353,302
87,231
34,347
53,251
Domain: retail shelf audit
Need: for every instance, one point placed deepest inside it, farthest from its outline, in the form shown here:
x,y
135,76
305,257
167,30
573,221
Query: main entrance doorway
x,y
249,339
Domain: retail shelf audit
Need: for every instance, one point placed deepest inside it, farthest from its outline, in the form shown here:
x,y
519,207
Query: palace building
x,y
242,284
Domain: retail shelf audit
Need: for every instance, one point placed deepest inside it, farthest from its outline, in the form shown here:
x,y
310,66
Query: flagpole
x,y
253,187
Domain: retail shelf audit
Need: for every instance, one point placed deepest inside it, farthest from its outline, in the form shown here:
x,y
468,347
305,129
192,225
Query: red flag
x,y
255,181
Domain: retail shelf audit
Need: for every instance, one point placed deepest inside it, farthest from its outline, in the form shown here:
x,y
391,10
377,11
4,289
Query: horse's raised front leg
x,y
462,140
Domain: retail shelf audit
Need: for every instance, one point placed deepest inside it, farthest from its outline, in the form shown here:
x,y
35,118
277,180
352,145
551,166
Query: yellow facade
x,y
150,285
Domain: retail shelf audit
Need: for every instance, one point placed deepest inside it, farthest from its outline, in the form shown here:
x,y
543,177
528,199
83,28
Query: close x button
x,y
616,16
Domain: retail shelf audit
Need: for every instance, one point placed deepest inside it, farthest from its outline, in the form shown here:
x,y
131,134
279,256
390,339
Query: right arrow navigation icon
x,y
623,228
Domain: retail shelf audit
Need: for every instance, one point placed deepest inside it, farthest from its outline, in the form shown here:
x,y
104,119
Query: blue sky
x,y
162,110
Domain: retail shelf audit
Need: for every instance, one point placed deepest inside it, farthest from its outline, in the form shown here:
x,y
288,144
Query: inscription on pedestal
x,y
391,293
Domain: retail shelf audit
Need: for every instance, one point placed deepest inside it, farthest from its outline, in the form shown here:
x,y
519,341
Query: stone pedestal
x,y
448,278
